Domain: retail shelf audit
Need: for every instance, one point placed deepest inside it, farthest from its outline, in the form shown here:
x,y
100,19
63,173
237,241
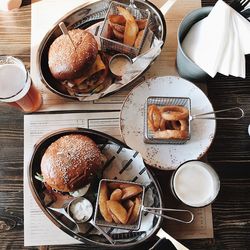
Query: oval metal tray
x,y
129,239
83,17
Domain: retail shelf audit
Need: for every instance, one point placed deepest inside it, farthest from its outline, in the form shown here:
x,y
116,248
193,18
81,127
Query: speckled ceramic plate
x,y
166,156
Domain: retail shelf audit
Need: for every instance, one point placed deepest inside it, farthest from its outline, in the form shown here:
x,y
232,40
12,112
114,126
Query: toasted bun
x,y
66,62
70,162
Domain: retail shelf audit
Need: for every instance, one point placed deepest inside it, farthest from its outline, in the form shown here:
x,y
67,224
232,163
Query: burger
x,y
70,163
75,61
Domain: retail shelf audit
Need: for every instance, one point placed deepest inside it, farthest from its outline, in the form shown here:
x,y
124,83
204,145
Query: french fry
x,y
118,35
118,27
141,23
118,19
138,39
116,195
103,197
118,211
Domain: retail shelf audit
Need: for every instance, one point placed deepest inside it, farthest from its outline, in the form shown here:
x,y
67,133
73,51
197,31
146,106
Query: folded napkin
x,y
219,42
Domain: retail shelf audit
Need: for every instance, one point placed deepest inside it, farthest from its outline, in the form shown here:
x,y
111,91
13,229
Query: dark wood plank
x,y
229,154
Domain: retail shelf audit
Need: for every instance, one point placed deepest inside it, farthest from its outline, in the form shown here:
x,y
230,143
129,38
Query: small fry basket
x,y
98,218
109,44
160,101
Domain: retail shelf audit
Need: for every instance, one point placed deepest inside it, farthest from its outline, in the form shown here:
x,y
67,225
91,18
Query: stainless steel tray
x,y
83,17
128,238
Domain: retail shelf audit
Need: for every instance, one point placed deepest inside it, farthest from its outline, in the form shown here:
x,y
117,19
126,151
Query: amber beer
x,y
16,87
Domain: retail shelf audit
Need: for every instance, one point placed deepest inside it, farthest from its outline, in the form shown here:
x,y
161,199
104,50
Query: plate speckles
x,y
166,156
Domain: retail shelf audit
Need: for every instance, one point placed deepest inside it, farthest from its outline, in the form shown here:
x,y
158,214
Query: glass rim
x,y
20,62
214,175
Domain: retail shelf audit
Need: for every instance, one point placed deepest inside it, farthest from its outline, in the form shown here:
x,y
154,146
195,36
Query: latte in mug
x,y
195,183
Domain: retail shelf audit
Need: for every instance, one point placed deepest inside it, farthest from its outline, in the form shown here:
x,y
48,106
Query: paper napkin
x,y
219,42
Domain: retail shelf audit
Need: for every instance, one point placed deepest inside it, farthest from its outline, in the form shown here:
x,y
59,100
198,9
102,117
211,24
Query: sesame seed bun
x,y
70,162
65,62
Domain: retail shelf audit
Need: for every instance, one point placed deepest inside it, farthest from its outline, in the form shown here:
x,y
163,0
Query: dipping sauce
x,y
195,183
81,209
119,64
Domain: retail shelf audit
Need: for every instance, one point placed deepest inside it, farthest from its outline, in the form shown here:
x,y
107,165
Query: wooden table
x,y
229,154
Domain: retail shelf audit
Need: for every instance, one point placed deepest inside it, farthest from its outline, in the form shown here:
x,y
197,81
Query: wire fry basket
x,y
99,220
108,44
160,102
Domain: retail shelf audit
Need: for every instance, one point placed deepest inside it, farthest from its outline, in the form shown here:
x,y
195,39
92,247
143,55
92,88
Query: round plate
x,y
166,156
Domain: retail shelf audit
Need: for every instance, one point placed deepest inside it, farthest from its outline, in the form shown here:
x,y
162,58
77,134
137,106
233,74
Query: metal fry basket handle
x,y
203,115
149,210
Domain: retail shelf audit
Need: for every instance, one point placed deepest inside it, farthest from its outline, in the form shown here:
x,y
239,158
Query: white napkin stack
x,y
219,42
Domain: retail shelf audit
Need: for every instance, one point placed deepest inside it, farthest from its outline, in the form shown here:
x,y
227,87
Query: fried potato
x,y
138,39
114,217
131,191
136,211
116,195
130,33
110,33
118,211
114,185
129,205
131,27
118,35
141,23
103,198
118,27
118,19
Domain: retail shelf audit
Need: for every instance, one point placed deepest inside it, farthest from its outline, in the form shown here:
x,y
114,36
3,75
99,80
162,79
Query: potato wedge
x,y
118,27
130,33
118,19
131,27
114,217
116,195
124,185
103,197
118,35
118,211
138,39
114,185
141,23
126,14
136,211
129,205
131,191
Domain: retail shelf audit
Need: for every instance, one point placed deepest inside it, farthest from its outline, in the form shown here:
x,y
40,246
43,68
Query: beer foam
x,y
12,80
195,184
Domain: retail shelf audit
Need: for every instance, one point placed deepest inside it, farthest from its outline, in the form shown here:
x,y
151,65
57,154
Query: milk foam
x,y
194,184
12,80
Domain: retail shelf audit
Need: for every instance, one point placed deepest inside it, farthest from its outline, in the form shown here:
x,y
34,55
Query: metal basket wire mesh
x,y
99,220
165,101
109,44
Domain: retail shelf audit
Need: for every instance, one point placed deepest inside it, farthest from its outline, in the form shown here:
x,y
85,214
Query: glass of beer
x,y
195,183
16,85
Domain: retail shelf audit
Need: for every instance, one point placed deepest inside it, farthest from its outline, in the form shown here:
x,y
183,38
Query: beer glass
x,y
16,87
